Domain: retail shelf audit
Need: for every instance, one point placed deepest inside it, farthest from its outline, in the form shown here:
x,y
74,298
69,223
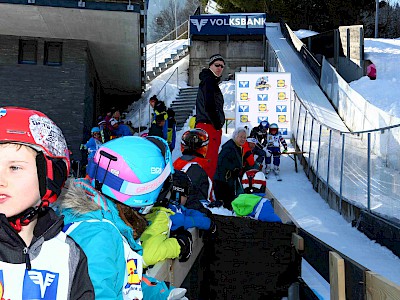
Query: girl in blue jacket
x,y
97,210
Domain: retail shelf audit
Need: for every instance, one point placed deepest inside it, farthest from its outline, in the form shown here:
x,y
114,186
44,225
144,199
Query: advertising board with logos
x,y
227,24
263,97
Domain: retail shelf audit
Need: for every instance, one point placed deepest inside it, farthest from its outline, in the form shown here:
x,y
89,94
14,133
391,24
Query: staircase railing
x,y
172,35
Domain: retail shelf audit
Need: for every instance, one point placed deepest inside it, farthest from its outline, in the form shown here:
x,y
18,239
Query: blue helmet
x,y
95,129
133,170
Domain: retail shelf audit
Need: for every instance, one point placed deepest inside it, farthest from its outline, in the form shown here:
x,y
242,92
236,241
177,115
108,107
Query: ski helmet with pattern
x,y
36,130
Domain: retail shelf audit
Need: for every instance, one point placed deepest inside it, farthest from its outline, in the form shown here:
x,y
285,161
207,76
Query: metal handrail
x,y
164,38
165,84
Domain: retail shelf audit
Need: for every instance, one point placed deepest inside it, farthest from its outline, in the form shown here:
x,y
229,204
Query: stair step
x,y
183,102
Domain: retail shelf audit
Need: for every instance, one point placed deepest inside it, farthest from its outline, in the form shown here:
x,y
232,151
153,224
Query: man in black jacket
x,y
210,106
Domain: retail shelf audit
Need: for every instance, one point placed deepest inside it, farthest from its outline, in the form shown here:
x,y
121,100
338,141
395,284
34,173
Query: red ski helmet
x,y
195,140
34,129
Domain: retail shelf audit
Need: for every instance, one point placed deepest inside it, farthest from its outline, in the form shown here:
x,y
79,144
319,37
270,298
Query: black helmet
x,y
195,140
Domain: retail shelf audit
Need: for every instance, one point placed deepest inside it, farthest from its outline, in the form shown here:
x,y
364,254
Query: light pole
x,y
176,22
376,17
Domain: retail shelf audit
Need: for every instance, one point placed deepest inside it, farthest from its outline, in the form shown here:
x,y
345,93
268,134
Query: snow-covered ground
x,y
295,192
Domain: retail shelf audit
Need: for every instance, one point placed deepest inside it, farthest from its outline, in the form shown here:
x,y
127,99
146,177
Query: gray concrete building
x,y
71,59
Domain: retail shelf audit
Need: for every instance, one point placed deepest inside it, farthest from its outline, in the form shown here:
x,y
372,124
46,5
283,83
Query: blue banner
x,y
228,24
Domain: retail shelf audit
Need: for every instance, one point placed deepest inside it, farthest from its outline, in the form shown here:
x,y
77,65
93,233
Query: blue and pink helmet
x,y
133,170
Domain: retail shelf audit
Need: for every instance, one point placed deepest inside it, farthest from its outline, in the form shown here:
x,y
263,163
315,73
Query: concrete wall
x,y
237,54
64,93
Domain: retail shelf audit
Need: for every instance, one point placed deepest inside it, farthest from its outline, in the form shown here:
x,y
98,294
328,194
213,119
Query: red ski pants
x,y
214,142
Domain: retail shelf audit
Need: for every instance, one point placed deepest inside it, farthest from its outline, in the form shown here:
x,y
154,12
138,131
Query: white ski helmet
x,y
254,181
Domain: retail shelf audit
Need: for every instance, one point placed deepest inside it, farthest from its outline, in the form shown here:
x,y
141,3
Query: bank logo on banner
x,y
243,108
282,96
281,108
199,23
262,107
39,284
262,97
282,131
280,83
244,96
244,118
282,119
244,84
262,83
262,118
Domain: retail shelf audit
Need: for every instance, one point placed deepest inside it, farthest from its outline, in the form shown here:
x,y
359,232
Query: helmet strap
x,y
25,217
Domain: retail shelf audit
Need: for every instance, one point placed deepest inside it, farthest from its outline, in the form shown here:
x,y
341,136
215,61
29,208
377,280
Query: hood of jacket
x,y
205,73
76,205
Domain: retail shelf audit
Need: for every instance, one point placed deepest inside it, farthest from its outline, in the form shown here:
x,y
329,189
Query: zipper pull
x,y
27,260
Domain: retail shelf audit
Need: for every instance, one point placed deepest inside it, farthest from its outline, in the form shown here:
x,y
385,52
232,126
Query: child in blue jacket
x,y
185,217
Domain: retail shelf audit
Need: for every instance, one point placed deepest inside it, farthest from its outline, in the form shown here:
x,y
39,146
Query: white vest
x,y
47,279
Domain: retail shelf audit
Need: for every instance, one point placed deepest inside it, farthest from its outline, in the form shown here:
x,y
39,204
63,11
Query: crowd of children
x,y
105,229
127,214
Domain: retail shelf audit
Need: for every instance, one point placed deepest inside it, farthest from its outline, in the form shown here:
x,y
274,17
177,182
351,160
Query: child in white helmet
x,y
274,142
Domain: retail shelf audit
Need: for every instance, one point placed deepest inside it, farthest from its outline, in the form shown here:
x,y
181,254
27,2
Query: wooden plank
x,y
172,270
336,276
292,152
180,270
298,242
379,287
316,253
279,209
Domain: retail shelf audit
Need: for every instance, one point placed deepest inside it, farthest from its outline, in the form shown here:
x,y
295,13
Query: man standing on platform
x,y
210,106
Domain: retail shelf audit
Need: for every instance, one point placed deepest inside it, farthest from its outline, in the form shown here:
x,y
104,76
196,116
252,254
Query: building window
x,y
53,53
27,53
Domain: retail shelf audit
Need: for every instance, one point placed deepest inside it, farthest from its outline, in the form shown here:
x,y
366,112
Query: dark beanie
x,y
214,58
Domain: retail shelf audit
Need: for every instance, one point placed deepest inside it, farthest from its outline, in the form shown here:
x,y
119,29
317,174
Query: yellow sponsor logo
x,y
244,118
244,96
280,83
282,118
262,107
281,96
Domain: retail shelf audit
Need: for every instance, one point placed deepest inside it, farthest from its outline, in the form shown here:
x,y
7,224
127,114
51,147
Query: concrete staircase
x,y
183,105
182,52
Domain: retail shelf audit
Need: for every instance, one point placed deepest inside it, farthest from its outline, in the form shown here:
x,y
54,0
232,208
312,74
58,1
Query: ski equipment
x,y
36,130
120,171
273,128
254,182
264,125
195,140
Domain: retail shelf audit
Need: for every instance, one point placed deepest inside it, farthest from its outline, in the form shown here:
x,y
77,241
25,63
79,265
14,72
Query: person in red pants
x,y
210,114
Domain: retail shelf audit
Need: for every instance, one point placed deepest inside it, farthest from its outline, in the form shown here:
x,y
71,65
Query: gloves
x,y
177,293
82,147
284,151
185,241
211,233
213,227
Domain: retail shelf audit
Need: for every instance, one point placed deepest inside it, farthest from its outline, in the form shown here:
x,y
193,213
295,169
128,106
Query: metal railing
x,y
176,34
357,166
